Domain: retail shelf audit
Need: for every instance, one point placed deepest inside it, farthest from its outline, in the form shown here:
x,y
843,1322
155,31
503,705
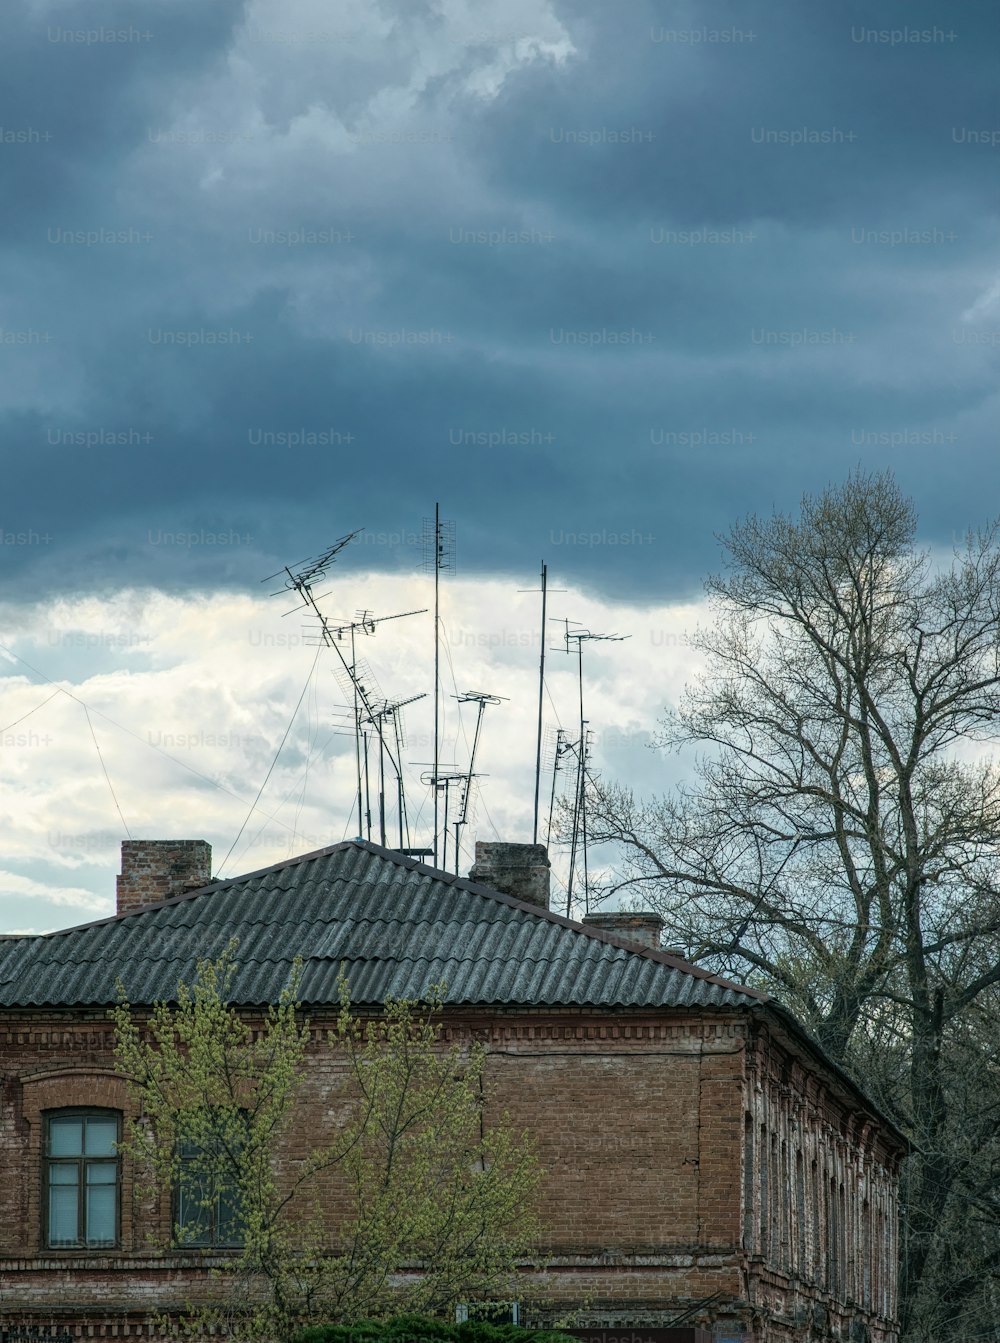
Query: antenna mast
x,y
390,711
364,623
442,557
581,636
541,693
301,579
482,699
560,749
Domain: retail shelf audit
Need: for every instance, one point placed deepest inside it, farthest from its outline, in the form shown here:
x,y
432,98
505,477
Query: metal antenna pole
x,y
544,589
580,776
439,550
583,770
357,726
444,836
482,699
390,709
541,692
366,624
301,581
560,751
580,797
381,789
400,795
583,813
576,795
573,843
437,616
368,794
438,782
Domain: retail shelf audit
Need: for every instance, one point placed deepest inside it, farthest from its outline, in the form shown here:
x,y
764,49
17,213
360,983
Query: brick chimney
x,y
155,869
520,870
638,926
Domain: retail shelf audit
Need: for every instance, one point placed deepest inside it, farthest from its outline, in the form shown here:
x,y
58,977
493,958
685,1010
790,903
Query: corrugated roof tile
x,y
396,925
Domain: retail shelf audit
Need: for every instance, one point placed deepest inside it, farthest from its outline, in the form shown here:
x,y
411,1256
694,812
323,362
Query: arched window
x,y
82,1179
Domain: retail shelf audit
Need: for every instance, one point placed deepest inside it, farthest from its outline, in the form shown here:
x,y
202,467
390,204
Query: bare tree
x,y
840,841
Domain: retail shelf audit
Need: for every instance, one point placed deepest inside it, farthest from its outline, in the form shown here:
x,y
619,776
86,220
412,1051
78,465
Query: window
x,y
775,1238
489,1312
81,1179
801,1263
815,1195
844,1267
748,1187
786,1211
206,1200
765,1200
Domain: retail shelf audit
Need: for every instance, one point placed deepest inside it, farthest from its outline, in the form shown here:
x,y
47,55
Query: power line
x,y
313,710
106,774
61,690
302,779
281,744
29,713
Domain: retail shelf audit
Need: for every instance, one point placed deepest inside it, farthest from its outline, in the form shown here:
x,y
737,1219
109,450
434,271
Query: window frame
x,y
81,1244
176,1194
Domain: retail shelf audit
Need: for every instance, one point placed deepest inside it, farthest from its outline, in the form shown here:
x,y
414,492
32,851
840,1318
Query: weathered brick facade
x,y
653,1128
693,1154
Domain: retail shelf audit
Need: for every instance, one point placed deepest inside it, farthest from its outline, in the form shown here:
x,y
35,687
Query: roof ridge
x,y
208,888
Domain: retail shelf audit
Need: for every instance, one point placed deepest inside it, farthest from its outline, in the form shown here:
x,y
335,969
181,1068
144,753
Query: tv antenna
x,y
389,712
560,748
439,556
359,678
541,692
579,833
301,579
444,780
482,699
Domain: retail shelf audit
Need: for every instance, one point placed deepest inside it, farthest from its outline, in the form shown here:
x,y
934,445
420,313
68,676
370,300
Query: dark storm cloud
x,y
707,81
599,313
80,77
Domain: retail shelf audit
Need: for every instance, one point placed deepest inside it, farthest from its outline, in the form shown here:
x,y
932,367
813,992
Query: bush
x,y
425,1329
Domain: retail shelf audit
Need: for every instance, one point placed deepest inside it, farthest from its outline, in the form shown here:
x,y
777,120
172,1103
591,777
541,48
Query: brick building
x,y
702,1155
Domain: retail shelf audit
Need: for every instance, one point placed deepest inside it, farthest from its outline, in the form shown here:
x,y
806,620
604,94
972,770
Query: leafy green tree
x,y
839,841
431,1206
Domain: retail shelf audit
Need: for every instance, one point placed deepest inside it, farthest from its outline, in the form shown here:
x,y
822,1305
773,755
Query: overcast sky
x,y
601,276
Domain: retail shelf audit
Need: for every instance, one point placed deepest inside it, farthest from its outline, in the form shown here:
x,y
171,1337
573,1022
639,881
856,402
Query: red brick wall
x,y
819,1199
157,869
639,1119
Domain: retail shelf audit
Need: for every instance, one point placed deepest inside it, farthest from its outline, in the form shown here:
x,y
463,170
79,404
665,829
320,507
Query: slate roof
x,y
398,926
